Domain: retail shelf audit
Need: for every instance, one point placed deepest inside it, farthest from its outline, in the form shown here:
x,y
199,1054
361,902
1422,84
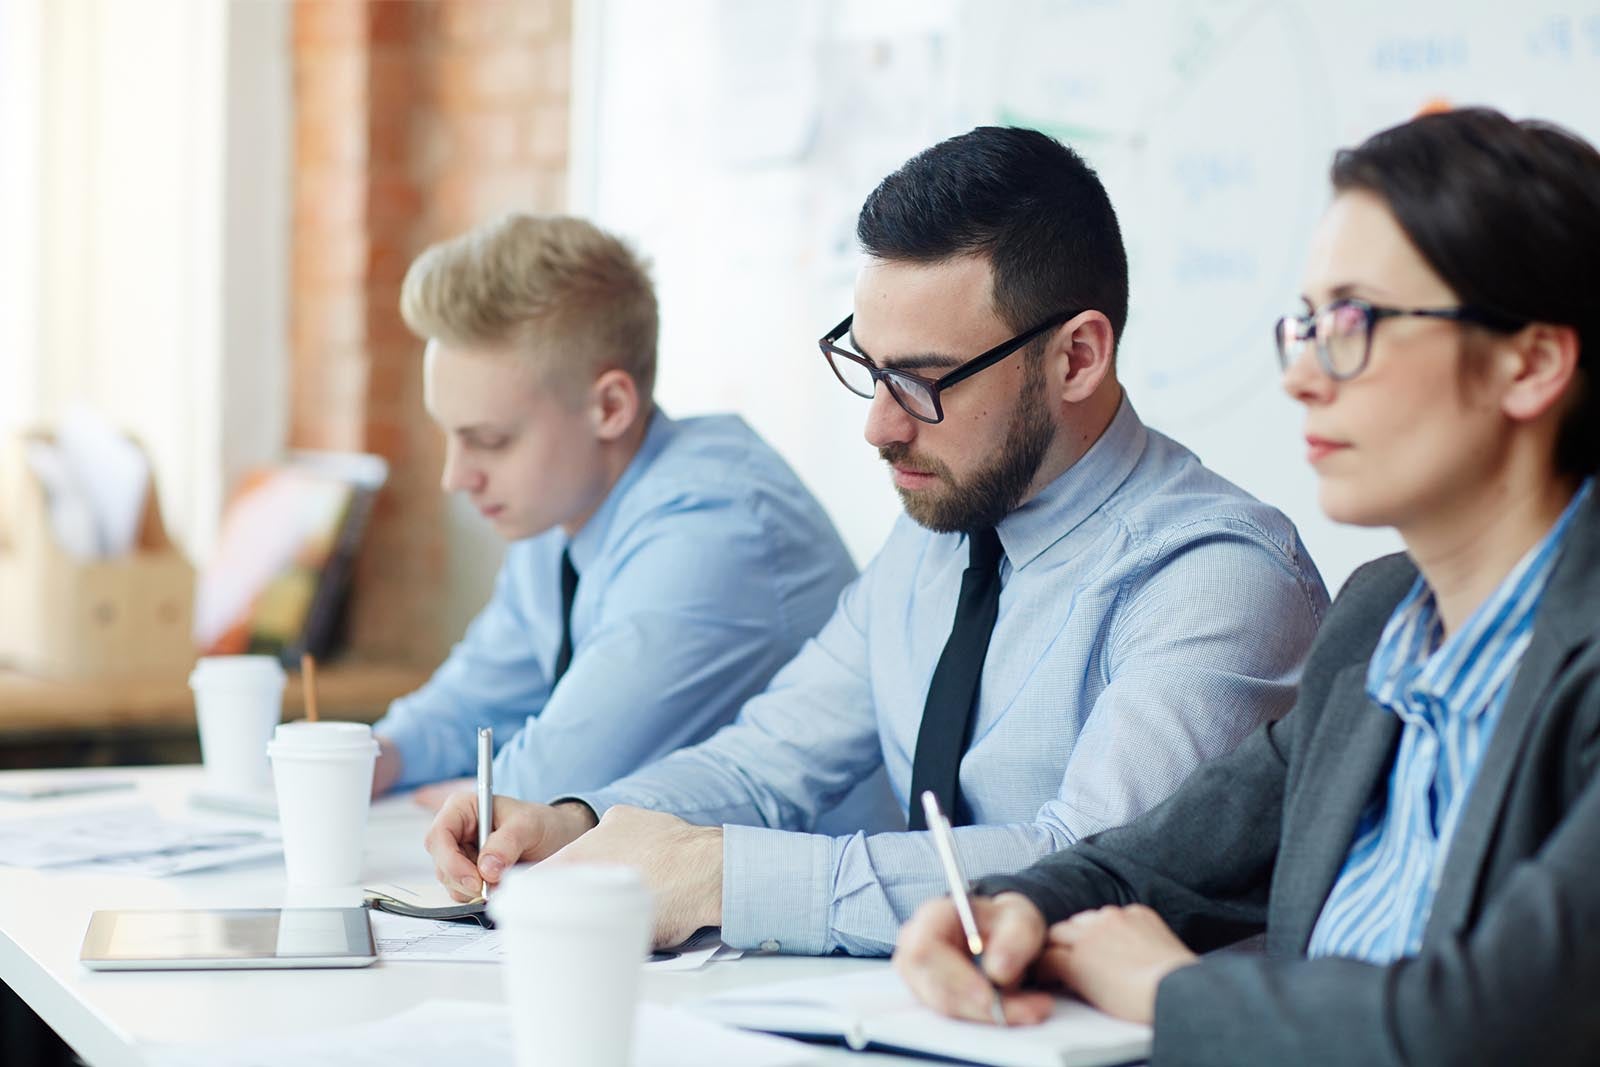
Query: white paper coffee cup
x,y
323,775
576,938
238,700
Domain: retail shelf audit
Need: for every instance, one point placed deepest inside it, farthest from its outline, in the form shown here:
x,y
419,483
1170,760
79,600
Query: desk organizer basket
x,y
127,617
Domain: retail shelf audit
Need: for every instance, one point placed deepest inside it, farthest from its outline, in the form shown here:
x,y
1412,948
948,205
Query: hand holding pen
x,y
944,843
485,791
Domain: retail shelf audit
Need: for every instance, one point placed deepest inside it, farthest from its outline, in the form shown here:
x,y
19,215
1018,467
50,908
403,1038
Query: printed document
x,y
130,839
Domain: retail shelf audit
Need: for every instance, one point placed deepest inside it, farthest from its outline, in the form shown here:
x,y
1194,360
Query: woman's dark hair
x,y
1508,215
1024,201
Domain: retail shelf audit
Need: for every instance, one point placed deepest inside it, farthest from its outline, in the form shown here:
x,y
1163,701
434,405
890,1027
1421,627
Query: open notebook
x,y
876,1010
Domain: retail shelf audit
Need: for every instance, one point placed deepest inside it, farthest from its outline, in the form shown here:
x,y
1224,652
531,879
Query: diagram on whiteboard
x,y
1212,123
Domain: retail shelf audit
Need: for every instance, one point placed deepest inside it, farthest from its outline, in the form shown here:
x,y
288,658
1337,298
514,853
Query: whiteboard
x,y
733,142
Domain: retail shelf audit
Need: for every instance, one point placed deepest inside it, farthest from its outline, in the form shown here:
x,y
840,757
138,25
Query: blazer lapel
x,y
1565,621
1347,756
1475,829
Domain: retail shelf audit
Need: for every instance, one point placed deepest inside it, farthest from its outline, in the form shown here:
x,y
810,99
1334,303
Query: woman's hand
x,y
1114,958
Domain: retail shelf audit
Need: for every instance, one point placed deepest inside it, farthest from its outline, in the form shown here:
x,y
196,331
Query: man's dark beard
x,y
993,492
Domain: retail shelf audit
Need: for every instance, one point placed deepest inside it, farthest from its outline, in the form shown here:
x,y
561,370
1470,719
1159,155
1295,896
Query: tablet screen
x,y
244,937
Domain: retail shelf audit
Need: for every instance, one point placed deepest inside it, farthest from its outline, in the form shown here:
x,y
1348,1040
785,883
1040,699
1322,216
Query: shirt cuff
x,y
776,889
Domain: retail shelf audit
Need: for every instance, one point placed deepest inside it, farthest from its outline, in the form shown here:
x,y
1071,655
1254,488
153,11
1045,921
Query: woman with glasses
x,y
1420,836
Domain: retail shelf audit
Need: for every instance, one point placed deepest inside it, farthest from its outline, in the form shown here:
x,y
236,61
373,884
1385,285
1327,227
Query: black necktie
x,y
569,589
953,694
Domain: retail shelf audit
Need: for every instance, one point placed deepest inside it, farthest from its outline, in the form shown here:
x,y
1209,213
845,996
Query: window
x,y
146,186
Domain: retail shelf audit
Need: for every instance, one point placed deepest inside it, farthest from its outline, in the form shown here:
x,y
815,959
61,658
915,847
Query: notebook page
x,y
875,1007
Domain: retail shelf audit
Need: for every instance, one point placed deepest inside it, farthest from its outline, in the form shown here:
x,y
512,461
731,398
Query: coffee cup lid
x,y
567,892
236,670
339,739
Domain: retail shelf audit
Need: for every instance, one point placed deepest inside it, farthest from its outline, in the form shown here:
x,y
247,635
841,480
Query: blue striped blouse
x,y
1448,695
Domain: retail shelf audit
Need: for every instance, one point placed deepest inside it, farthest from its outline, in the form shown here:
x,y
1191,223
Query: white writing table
x,y
107,1016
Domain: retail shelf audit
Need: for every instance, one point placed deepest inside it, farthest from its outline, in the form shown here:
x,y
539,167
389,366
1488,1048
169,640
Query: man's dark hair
x,y
1024,201
1508,214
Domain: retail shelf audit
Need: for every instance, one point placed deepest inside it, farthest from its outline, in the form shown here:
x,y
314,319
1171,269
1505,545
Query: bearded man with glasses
x,y
1073,614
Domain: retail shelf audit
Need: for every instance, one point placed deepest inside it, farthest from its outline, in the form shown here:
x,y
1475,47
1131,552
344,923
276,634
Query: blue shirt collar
x,y
1464,672
1078,492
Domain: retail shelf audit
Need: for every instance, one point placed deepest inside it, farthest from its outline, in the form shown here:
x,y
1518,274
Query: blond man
x,y
660,570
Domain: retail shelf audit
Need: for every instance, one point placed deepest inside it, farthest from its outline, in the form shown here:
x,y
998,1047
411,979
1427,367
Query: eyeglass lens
x,y
1340,331
857,377
909,393
912,395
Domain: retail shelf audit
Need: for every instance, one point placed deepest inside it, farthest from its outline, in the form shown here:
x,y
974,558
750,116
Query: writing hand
x,y
932,958
523,833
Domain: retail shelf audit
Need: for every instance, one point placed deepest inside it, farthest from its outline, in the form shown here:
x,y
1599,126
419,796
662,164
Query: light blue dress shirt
x,y
703,572
1448,695
1151,616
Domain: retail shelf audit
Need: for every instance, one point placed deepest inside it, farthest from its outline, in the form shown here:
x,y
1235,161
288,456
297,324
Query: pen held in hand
x,y
944,844
485,794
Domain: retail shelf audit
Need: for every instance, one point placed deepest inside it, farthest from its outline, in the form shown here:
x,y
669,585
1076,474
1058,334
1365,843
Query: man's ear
x,y
1537,366
1081,353
613,404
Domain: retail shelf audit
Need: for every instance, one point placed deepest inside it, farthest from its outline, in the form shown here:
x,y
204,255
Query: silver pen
x,y
485,792
944,843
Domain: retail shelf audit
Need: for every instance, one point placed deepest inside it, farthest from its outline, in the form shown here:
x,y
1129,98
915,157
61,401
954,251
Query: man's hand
x,y
523,833
1114,958
933,959
681,864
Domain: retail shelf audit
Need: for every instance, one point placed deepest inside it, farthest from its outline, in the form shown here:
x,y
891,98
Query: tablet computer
x,y
229,938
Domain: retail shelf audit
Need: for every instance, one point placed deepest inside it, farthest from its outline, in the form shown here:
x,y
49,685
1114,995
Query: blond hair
x,y
550,277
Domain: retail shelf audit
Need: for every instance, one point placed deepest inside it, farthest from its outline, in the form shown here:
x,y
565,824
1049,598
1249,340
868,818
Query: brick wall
x,y
414,120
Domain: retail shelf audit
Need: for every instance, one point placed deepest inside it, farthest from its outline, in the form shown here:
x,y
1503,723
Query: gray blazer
x,y
1509,969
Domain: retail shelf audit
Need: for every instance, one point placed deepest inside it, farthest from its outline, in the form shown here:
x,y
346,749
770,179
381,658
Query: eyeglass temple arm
x,y
838,331
1494,320
995,355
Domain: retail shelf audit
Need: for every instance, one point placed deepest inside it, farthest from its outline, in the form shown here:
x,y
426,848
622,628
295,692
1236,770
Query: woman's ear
x,y
613,404
1538,365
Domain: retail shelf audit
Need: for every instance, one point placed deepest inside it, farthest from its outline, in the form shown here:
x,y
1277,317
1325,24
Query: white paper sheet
x,y
131,839
404,939
704,947
257,803
183,860
72,518
443,1031
401,939
51,784
113,472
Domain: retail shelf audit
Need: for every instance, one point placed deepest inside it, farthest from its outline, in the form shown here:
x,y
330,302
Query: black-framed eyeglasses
x,y
919,396
1342,331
